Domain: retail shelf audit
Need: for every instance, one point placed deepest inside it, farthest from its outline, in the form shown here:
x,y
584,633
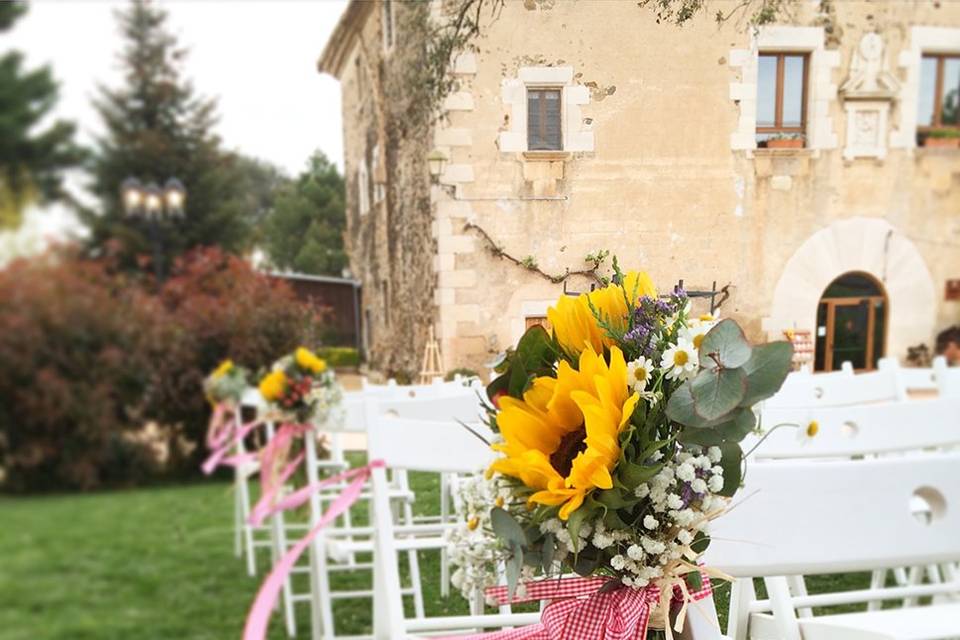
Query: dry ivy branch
x,y
530,263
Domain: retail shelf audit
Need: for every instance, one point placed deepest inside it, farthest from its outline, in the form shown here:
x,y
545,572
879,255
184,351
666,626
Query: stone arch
x,y
869,245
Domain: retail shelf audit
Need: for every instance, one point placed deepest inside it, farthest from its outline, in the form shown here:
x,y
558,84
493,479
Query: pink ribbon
x,y
581,610
272,480
222,436
259,616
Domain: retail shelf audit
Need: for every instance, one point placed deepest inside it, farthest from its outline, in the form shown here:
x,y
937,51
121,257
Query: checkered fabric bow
x,y
581,610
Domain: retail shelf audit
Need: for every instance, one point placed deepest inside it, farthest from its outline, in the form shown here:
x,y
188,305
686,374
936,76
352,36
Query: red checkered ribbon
x,y
582,611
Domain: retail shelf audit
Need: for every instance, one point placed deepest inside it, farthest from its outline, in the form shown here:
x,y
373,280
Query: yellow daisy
x,y
222,370
273,385
562,439
574,324
309,361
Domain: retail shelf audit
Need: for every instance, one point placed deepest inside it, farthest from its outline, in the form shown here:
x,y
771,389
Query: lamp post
x,y
153,204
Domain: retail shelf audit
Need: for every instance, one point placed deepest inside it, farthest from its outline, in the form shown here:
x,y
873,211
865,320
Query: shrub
x,y
216,307
340,356
72,371
90,356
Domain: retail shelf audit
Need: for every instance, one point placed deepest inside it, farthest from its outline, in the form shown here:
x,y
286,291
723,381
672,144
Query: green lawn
x,y
158,563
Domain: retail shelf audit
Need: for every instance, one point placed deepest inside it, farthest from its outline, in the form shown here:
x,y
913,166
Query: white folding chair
x,y
948,378
910,379
246,538
841,517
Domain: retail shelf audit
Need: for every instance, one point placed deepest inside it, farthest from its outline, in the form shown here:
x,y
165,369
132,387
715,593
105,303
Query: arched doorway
x,y
851,323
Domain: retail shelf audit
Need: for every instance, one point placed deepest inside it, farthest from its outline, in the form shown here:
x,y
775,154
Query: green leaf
x,y
535,349
518,380
731,462
700,542
727,341
614,499
587,562
632,475
613,521
578,517
514,564
716,392
766,370
744,420
680,407
548,551
701,437
506,527
694,581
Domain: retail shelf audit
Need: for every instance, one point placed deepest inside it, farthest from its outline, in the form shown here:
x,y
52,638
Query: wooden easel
x,y
432,362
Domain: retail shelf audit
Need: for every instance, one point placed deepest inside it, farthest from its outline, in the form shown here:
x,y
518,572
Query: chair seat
x,y
936,622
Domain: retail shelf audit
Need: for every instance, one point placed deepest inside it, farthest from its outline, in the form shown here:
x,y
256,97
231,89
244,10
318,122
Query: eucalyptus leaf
x,y
766,370
716,392
680,407
700,437
700,542
586,562
514,565
518,379
614,499
506,527
694,581
613,521
548,551
743,422
731,463
578,517
727,342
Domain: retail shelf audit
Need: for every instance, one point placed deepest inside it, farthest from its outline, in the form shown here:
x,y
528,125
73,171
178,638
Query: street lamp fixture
x,y
174,194
153,203
436,160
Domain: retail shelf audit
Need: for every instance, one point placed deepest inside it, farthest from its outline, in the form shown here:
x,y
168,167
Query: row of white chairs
x,y
338,547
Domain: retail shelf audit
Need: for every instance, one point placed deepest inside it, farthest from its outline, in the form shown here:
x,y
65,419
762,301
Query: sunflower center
x,y
570,445
680,357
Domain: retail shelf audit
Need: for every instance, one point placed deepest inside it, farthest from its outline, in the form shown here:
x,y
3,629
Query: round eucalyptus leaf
x,y
717,392
766,370
727,342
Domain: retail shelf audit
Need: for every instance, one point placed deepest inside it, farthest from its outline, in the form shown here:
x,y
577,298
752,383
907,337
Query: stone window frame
x,y
363,188
513,93
379,190
922,40
821,90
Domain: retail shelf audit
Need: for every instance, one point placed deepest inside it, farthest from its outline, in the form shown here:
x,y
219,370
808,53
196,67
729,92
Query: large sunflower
x,y
562,439
574,324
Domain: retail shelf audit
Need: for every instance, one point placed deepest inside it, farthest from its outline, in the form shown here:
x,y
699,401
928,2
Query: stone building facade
x,y
578,125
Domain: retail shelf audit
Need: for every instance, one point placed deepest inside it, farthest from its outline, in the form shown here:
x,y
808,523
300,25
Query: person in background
x,y
948,345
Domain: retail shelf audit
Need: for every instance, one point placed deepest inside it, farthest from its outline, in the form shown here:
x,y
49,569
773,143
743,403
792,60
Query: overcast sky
x,y
258,57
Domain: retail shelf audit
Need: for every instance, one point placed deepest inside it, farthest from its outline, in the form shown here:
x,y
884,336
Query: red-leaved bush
x,y
90,355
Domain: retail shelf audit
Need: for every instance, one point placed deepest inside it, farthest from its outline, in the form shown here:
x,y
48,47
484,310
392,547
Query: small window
x,y
939,93
387,17
781,97
544,130
379,192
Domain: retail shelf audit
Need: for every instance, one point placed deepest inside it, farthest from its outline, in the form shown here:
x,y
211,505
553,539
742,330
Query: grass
x,y
158,563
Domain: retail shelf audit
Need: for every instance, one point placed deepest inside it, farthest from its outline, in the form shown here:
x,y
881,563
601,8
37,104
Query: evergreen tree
x,y
31,159
157,128
304,232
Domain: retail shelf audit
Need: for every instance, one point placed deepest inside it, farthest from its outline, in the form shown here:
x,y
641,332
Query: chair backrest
x,y
429,445
462,406
836,389
948,378
860,430
910,378
838,516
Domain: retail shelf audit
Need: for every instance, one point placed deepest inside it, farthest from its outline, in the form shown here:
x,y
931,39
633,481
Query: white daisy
x,y
680,360
638,373
698,328
807,432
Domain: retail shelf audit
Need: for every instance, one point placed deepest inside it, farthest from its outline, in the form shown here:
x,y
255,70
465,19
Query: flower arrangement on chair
x,y
226,383
301,388
618,436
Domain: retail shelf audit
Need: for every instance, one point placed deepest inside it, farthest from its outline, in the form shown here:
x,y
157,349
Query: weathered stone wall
x,y
391,248
664,187
662,173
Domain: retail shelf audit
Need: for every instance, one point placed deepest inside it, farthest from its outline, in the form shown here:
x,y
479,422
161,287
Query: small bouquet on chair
x,y
226,384
618,434
300,388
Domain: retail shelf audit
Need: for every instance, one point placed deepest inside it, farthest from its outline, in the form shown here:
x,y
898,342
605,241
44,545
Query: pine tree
x,y
158,128
32,160
304,232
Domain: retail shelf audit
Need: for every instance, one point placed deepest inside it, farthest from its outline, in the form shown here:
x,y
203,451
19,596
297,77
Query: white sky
x,y
258,57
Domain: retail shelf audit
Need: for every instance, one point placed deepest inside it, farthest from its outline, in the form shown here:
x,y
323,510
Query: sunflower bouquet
x,y
226,383
619,435
300,388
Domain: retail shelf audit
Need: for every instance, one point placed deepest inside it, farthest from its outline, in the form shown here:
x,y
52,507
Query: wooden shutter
x,y
544,129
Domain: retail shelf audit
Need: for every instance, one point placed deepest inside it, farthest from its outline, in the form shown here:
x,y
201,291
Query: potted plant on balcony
x,y
785,141
943,139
